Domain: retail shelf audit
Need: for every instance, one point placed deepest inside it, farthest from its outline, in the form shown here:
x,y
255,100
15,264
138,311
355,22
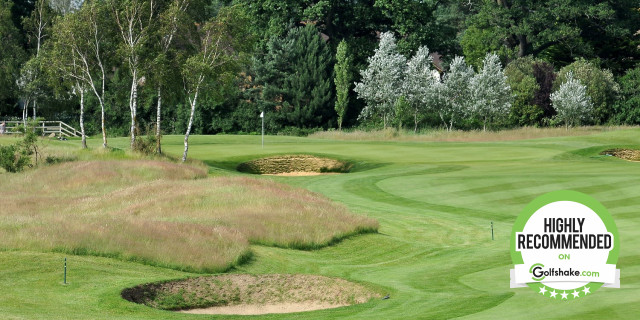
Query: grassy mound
x,y
160,213
244,289
294,163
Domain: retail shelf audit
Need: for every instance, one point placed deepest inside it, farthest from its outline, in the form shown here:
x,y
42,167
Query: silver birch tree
x,y
134,19
454,92
170,20
381,83
572,102
419,84
80,53
490,93
223,44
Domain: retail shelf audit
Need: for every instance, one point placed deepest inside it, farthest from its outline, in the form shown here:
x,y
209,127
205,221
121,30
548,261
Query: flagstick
x,y
262,116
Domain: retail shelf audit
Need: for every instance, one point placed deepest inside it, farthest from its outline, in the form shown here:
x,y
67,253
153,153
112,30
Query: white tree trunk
x,y
133,104
34,110
25,110
84,137
158,119
104,131
193,110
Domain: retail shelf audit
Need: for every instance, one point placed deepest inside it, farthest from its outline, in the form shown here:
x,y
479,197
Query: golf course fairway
x,y
433,254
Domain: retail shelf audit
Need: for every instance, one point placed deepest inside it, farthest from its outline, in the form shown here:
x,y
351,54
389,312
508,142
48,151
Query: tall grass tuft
x,y
461,136
164,214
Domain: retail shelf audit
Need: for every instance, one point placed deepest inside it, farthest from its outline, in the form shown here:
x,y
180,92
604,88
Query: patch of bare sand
x,y
294,165
256,309
626,154
300,174
250,294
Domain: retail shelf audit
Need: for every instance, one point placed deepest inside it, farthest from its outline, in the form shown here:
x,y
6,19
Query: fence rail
x,y
57,128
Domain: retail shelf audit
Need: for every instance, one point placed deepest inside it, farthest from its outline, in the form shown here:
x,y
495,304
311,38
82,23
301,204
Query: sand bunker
x,y
295,165
250,294
255,309
626,154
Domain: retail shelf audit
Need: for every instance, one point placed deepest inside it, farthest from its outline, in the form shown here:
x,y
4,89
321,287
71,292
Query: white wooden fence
x,y
58,128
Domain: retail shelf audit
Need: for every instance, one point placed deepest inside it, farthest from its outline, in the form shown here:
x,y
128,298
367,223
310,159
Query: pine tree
x,y
572,102
296,78
381,83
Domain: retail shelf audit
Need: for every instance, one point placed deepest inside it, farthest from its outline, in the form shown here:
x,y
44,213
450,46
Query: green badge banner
x,y
565,245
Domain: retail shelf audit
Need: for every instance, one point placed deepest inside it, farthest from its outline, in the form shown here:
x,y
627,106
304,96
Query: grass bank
x,y
163,214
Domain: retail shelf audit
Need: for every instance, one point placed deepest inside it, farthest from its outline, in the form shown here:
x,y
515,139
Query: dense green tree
x,y
524,86
343,80
627,108
545,77
420,23
296,75
559,30
11,56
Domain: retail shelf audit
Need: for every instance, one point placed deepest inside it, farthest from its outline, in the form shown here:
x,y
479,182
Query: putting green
x,y
434,254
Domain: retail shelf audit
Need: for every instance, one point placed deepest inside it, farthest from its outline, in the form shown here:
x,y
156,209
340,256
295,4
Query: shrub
x,y
12,159
572,102
599,83
524,87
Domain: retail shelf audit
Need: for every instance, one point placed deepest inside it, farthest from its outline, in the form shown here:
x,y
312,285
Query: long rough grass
x,y
462,136
163,214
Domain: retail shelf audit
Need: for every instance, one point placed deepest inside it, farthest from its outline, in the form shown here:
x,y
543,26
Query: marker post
x,y
262,117
492,230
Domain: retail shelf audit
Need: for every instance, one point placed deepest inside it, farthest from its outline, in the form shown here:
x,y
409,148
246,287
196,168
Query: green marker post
x,y
492,231
65,270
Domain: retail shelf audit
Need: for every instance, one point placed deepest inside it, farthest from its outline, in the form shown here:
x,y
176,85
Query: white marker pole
x,y
262,117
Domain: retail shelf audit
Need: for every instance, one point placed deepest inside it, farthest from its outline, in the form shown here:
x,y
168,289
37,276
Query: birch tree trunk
x,y
186,136
84,137
158,120
104,131
193,110
133,101
34,110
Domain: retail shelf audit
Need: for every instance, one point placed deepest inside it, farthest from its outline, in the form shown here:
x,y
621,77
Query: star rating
x,y
564,295
543,290
553,293
575,294
586,290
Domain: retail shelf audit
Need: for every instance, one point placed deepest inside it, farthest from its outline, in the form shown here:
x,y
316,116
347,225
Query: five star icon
x,y
564,295
575,294
586,290
543,290
553,293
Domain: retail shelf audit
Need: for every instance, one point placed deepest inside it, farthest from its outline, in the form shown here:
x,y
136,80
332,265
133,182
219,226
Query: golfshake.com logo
x,y
539,273
565,245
